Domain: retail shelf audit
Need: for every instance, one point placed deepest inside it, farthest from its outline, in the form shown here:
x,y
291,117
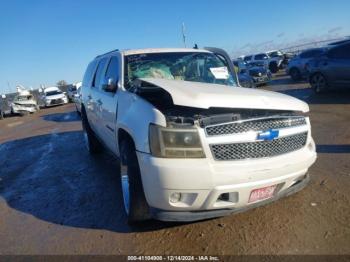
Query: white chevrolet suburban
x,y
191,142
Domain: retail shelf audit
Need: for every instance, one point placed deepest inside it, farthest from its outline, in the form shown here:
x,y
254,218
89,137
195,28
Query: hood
x,y
255,71
58,96
203,95
25,102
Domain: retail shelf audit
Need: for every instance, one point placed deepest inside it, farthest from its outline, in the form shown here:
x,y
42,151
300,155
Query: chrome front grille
x,y
259,149
254,125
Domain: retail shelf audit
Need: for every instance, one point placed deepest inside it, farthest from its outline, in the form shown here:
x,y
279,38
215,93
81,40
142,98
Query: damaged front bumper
x,y
187,216
22,109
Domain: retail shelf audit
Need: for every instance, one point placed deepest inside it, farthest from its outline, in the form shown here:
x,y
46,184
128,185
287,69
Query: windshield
x,y
52,93
261,57
275,54
186,66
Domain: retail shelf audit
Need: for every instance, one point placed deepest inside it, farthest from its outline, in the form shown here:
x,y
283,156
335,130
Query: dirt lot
x,y
56,199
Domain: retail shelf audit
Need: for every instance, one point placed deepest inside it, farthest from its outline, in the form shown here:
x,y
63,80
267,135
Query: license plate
x,y
262,193
261,79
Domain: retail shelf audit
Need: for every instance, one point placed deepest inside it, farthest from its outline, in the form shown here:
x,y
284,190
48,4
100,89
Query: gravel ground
x,y
56,199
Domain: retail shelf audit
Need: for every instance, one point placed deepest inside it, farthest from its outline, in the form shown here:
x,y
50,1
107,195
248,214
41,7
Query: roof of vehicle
x,y
154,50
340,42
314,49
51,88
23,93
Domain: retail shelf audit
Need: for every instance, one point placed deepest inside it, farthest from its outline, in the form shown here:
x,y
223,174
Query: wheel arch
x,y
124,135
317,73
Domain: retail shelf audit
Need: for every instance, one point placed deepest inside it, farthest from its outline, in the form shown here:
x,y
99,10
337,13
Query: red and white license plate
x,y
262,193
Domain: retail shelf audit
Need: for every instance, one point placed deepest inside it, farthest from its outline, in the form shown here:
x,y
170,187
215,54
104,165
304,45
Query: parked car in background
x,y
53,96
260,74
72,90
297,66
193,144
24,103
272,63
331,70
257,71
77,99
285,57
244,79
5,109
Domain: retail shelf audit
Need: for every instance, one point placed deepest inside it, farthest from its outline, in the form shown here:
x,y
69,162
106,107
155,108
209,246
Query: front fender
x,y
134,116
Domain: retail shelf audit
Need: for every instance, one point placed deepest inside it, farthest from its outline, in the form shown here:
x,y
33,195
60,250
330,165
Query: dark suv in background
x,y
331,70
297,65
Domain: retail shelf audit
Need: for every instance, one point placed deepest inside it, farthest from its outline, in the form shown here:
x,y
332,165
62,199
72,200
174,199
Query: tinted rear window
x,y
311,53
99,72
247,58
89,74
340,52
261,57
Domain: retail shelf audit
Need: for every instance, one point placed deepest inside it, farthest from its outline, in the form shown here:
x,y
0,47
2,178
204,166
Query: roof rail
x,y
107,53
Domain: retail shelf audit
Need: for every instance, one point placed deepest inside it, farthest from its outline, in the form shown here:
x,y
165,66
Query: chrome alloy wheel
x,y
125,186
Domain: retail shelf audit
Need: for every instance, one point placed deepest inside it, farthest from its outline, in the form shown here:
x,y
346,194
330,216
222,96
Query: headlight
x,y
175,142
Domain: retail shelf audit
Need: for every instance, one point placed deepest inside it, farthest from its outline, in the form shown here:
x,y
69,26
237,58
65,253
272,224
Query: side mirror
x,y
3,96
110,85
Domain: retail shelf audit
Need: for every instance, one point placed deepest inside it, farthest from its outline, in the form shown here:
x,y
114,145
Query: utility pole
x,y
183,34
8,86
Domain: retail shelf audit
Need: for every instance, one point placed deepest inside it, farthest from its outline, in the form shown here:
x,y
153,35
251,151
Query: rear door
x,y
108,102
338,66
86,90
94,97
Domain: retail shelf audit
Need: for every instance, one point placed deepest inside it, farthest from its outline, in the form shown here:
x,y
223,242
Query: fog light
x,y
175,197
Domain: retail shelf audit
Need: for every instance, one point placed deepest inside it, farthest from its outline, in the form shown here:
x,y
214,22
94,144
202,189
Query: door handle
x,y
99,101
89,97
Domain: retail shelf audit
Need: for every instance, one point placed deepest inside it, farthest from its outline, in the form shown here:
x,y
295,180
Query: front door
x,y
108,101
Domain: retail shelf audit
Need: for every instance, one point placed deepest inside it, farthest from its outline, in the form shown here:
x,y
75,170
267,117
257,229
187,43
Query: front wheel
x,y
318,83
295,74
134,200
273,67
1,114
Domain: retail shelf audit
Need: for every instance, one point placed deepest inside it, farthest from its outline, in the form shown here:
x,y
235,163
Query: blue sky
x,y
42,42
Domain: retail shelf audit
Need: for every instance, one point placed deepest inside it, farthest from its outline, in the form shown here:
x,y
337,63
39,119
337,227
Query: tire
x,y
1,114
134,200
76,108
25,113
273,67
91,142
318,83
295,74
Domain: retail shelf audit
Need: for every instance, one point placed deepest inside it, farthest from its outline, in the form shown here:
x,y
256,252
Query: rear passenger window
x,y
89,74
341,52
306,54
113,69
99,72
247,58
261,57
